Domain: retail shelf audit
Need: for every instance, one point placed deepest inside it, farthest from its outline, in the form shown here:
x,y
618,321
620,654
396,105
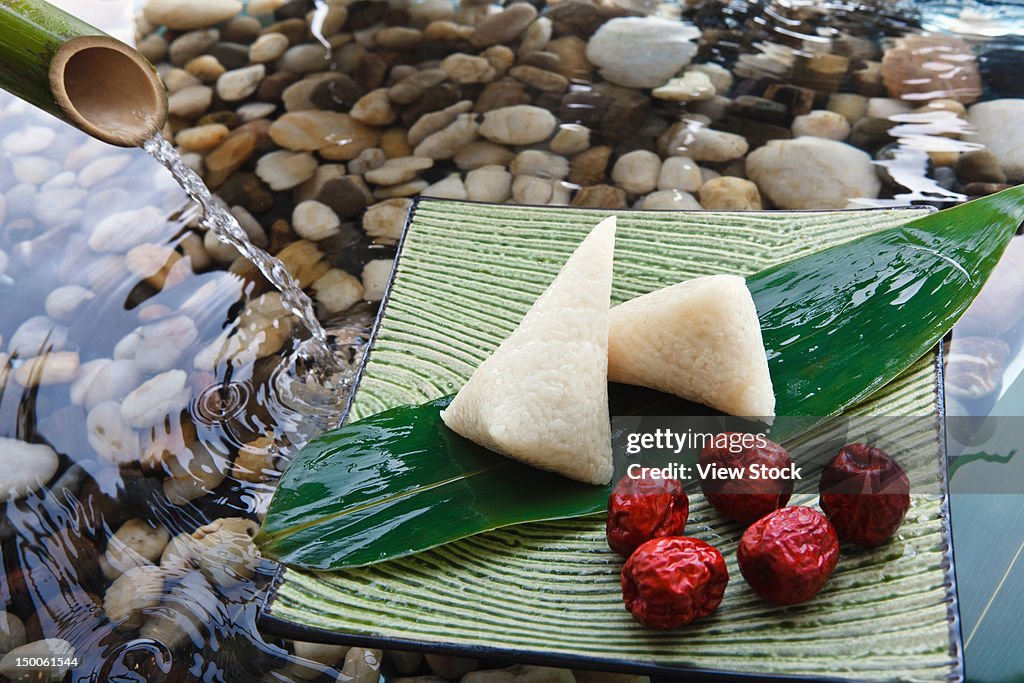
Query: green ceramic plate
x,y
549,592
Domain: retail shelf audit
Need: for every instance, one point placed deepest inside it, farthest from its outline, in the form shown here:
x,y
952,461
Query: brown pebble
x,y
434,99
370,71
506,92
409,88
224,118
627,109
600,197
231,55
548,61
248,191
577,18
399,37
797,100
572,57
918,67
228,157
346,196
588,168
274,85
395,143
503,26
242,30
980,166
983,189
822,71
586,108
540,79
338,93
295,30
281,235
365,13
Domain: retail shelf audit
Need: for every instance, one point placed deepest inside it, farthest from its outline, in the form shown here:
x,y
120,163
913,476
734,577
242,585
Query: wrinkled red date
x,y
865,494
671,581
746,499
644,508
788,555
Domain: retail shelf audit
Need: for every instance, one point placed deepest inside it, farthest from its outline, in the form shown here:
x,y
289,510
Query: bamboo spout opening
x,y
108,90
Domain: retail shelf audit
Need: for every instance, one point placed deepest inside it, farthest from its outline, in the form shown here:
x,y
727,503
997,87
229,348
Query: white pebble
x,y
674,200
637,172
24,467
822,124
314,221
52,368
110,436
449,187
111,382
238,84
62,302
489,184
30,140
376,277
162,396
680,173
122,231
283,170
338,291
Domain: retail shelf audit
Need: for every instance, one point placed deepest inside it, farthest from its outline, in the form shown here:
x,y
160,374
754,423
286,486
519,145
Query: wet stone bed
x,y
146,407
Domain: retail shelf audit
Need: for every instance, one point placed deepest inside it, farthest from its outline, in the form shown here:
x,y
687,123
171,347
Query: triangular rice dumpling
x,y
700,340
542,396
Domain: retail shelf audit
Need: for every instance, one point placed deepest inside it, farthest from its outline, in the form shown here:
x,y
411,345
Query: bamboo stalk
x,y
74,71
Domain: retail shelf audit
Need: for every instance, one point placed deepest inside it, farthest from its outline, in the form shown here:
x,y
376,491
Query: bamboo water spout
x,y
74,71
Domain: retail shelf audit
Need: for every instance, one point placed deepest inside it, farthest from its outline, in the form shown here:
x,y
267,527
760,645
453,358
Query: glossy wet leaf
x,y
838,324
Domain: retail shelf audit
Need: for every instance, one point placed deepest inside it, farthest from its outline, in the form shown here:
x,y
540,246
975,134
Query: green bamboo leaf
x,y
838,324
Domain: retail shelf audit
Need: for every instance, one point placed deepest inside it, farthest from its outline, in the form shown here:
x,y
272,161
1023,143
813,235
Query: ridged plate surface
x,y
466,274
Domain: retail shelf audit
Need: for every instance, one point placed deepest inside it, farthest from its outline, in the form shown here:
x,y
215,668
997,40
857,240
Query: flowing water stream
x,y
227,229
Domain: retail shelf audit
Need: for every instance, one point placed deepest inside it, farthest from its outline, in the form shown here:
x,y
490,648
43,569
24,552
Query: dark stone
x,y
295,30
539,5
274,85
241,30
1000,67
552,101
626,111
295,9
757,133
502,93
542,60
588,167
580,19
337,94
280,234
980,166
586,108
397,16
248,191
225,118
433,99
983,189
344,195
600,197
871,133
796,100
365,13
231,55
370,71
760,109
